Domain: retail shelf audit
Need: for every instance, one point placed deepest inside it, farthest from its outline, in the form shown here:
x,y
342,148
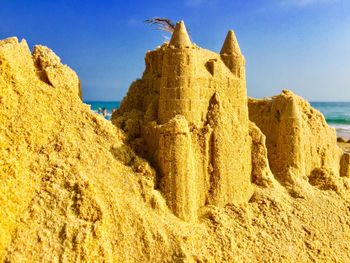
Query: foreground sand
x,y
72,189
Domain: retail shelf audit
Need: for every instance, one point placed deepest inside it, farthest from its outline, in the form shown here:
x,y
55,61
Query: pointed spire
x,y
180,36
291,107
231,44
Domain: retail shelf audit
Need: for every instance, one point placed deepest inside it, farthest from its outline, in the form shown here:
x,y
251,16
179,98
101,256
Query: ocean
x,y
337,114
109,105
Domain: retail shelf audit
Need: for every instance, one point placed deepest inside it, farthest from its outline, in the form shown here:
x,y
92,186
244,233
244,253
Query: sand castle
x,y
196,126
192,114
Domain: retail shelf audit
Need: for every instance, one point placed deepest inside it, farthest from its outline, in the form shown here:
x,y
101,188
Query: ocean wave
x,y
338,120
109,113
341,128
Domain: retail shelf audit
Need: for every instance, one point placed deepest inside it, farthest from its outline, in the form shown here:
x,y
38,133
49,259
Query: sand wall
x,y
298,138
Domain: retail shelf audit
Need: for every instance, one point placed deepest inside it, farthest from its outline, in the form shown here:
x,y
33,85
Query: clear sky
x,y
302,45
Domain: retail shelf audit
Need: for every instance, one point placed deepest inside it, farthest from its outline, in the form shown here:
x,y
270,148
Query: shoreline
x,y
342,131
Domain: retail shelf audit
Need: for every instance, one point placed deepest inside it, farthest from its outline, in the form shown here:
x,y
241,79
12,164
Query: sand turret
x,y
180,36
231,45
231,55
178,94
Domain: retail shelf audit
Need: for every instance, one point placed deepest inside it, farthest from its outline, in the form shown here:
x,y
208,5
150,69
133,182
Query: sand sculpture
x,y
73,189
196,124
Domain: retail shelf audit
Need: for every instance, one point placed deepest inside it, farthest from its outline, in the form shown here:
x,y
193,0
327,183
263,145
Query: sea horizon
x,y
336,113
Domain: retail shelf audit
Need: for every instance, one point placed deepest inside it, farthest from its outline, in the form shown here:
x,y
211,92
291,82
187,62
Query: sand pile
x,y
72,188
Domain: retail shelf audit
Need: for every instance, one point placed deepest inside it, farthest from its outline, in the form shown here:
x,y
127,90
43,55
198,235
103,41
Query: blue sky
x,y
302,45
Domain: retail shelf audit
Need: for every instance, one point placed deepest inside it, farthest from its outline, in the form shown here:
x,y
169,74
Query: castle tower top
x,y
231,44
180,36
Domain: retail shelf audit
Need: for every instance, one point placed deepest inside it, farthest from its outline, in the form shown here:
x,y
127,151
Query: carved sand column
x,y
230,144
178,183
289,143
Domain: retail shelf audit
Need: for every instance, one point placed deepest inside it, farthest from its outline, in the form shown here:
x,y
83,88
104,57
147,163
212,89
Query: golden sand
x,y
233,179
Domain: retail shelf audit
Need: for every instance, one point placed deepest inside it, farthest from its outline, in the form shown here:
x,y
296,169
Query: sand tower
x,y
194,123
232,56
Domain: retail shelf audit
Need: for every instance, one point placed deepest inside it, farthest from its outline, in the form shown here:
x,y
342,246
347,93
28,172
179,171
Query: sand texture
x,y
189,171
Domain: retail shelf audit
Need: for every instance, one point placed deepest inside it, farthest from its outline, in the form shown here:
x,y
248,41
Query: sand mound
x,y
72,189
